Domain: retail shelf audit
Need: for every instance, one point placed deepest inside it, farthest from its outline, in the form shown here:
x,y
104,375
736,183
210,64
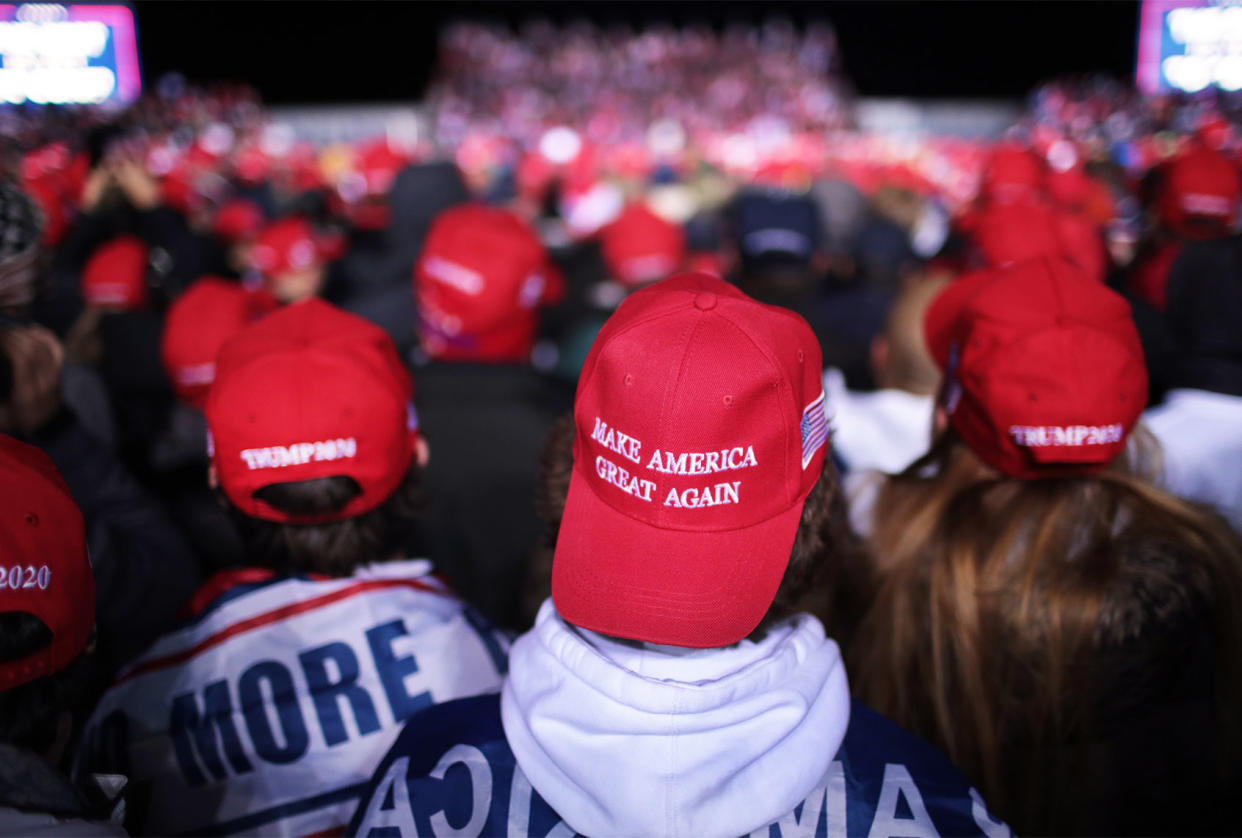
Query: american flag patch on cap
x,y
814,429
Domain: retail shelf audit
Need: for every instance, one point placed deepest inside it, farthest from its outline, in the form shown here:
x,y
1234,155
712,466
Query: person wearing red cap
x,y
673,684
479,284
47,636
290,677
637,248
291,257
212,310
1199,193
1044,614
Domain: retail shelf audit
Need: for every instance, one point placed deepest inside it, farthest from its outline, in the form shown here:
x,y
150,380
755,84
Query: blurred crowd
x,y
250,377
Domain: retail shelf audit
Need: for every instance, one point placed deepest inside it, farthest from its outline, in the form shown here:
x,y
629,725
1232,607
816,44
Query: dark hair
x,y
827,574
29,712
335,548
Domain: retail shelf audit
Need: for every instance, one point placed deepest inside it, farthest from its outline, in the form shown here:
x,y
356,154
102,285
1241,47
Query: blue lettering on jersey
x,y
256,698
194,730
450,772
328,695
394,670
209,745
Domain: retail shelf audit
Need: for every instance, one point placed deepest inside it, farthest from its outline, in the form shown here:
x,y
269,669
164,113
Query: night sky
x,y
330,52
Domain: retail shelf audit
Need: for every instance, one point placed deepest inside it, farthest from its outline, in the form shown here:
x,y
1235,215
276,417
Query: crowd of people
x,y
615,463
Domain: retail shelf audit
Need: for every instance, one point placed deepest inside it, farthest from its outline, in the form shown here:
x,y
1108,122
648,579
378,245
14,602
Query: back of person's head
x,y
1199,194
1013,172
777,238
314,439
640,247
479,282
698,467
47,600
1017,231
1027,563
115,275
211,311
899,356
1204,316
291,256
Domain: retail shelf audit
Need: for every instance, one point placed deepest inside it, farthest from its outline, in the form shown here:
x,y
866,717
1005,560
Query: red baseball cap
x,y
1013,172
700,432
310,391
290,244
115,275
1200,194
1044,372
210,312
46,571
1014,232
238,220
640,246
479,281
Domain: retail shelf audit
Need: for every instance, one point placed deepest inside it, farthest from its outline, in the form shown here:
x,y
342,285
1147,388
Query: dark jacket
x,y
144,569
485,424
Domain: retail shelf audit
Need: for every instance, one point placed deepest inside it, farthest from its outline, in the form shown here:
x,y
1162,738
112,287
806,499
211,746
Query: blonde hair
x,y
1003,610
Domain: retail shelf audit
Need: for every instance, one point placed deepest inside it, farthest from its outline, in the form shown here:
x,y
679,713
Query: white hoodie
x,y
625,739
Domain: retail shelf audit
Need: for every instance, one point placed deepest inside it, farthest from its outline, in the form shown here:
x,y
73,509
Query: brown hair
x,y
827,566
334,548
1010,613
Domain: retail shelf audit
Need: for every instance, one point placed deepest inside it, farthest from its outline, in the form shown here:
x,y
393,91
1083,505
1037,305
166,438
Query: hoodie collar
x,y
625,739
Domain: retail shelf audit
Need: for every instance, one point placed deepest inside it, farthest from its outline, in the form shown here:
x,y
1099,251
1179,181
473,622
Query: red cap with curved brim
x,y
700,432
1044,372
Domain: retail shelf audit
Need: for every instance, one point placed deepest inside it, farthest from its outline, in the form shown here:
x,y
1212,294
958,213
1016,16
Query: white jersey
x,y
267,712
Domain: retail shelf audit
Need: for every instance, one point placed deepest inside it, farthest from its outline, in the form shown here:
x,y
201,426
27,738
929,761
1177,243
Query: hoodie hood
x,y
634,739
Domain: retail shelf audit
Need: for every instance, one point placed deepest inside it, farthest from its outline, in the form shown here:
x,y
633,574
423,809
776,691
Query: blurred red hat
x,y
1011,233
238,220
210,312
479,281
1012,173
115,275
1200,193
291,244
640,246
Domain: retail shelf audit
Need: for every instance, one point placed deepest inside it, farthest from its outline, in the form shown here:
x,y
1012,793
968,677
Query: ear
x,y
940,419
422,452
213,479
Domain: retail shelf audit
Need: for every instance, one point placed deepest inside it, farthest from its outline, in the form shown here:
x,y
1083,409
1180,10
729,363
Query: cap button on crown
x,y
705,301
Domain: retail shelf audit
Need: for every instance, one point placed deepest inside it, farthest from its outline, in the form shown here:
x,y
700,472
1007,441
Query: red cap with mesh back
x,y
640,246
45,571
1200,194
210,312
700,432
290,244
307,392
115,275
479,282
1044,372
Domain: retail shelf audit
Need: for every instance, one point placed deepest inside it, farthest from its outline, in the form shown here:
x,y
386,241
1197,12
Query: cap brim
x,y
940,321
619,576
